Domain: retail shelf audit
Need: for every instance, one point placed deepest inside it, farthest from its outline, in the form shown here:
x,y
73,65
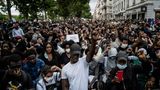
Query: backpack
x,y
97,81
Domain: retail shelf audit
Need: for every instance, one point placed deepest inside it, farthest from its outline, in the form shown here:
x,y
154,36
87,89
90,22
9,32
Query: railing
x,y
143,1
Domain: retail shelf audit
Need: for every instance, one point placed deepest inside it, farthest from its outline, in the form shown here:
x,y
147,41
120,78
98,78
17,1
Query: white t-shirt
x,y
77,74
16,33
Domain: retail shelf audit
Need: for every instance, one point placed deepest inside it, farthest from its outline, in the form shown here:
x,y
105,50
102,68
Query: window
x,y
134,2
127,4
142,0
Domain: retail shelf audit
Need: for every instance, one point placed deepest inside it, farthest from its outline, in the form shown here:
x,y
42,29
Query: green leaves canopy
x,y
52,8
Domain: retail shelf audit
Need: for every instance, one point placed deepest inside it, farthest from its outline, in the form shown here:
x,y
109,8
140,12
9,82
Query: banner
x,y
73,37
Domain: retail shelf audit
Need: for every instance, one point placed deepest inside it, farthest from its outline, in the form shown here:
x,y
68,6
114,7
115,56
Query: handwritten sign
x,y
73,37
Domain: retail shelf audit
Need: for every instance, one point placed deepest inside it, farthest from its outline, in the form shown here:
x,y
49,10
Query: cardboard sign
x,y
73,37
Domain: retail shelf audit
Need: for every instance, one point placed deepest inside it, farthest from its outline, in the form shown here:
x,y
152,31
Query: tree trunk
x,y
45,14
9,9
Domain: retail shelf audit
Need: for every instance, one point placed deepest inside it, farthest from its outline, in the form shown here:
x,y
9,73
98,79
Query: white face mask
x,y
124,45
49,79
84,46
68,50
121,66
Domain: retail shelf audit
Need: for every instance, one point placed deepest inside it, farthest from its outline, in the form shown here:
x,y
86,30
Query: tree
x,y
63,6
53,8
23,7
86,11
28,7
49,7
6,7
2,5
70,8
9,9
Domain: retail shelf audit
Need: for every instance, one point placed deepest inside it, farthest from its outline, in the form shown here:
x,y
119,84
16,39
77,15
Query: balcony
x,y
143,1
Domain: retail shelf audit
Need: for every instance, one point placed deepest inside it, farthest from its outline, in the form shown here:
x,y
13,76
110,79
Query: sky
x,y
14,11
92,6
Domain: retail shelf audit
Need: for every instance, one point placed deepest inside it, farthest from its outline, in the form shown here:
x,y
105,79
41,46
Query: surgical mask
x,y
121,66
49,79
124,45
84,46
68,50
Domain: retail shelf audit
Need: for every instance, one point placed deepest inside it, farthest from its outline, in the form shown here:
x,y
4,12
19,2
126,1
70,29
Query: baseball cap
x,y
142,49
75,49
122,55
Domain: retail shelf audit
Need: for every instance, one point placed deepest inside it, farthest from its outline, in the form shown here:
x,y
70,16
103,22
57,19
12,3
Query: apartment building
x,y
103,10
136,9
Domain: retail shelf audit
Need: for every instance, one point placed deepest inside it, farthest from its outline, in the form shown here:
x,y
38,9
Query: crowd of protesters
x,y
110,55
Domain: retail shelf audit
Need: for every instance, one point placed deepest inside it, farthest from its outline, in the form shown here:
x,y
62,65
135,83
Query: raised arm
x,y
92,47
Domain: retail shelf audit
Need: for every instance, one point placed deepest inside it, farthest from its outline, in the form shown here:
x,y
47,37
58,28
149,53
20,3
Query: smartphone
x,y
119,75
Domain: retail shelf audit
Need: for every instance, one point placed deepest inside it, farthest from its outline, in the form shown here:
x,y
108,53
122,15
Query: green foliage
x,y
52,8
2,17
86,11
71,8
2,6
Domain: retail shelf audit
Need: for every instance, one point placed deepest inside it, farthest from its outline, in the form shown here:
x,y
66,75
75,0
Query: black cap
x,y
75,49
122,55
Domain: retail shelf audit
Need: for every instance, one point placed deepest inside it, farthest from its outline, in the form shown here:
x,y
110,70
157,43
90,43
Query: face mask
x,y
121,66
124,45
49,79
68,50
84,47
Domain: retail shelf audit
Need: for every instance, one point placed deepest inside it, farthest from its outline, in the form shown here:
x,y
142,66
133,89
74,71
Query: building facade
x,y
136,9
109,9
103,10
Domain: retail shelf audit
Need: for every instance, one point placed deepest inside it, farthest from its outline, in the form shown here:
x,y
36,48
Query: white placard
x,y
73,37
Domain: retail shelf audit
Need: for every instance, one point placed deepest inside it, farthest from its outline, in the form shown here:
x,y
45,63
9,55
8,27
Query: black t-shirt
x,y
55,59
22,82
65,59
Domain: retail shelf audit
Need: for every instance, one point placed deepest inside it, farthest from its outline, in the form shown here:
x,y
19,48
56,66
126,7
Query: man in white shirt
x,y
75,74
17,31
